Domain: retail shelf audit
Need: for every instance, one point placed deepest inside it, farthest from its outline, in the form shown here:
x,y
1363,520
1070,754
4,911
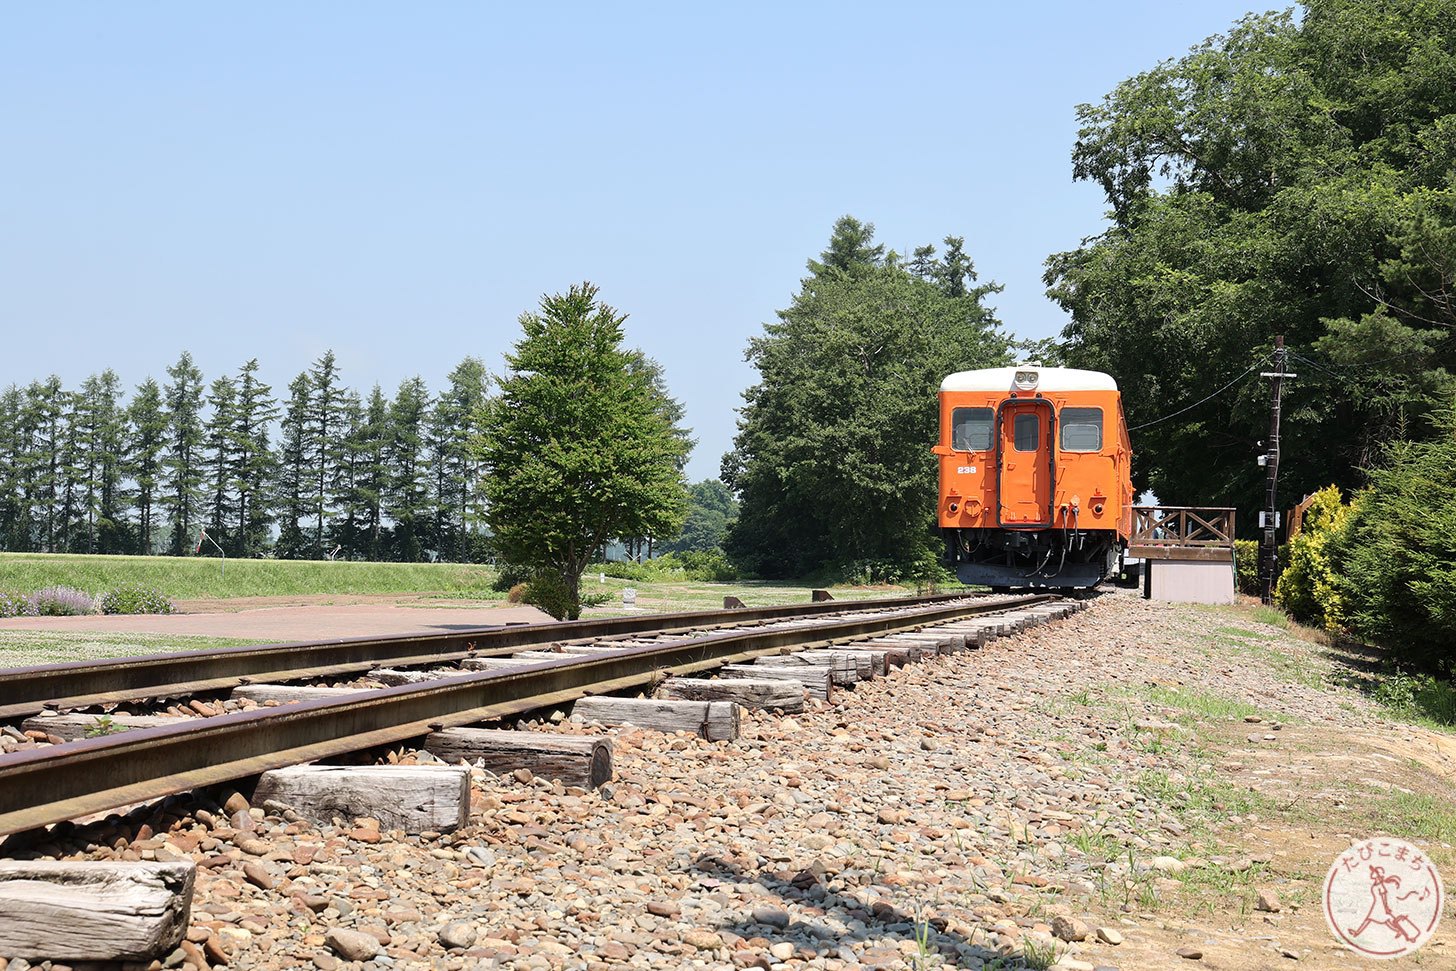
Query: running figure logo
x,y
1383,898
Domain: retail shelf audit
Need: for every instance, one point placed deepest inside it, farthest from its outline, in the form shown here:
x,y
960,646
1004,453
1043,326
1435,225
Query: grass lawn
x,y
19,648
187,577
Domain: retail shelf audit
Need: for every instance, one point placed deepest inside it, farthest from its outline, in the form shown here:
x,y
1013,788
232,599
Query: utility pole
x,y
1269,518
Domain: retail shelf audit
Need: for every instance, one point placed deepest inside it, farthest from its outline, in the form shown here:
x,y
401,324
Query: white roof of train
x,y
1048,379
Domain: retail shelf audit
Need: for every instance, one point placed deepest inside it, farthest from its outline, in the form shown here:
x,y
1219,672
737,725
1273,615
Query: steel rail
x,y
77,684
48,785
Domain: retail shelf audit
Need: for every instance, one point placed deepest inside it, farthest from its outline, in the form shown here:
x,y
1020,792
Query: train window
x,y
1081,429
1027,432
970,429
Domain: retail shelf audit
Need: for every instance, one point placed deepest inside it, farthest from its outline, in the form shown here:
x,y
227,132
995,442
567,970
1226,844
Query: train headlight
x,y
1026,380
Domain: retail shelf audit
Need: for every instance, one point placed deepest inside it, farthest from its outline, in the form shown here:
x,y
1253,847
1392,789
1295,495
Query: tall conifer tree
x,y
183,459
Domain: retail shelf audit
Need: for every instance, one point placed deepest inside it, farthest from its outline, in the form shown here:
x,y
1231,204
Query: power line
x,y
1369,364
1155,421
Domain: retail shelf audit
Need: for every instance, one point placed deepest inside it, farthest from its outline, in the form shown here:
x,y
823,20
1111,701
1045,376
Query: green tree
x,y
183,460
291,485
344,534
1293,177
14,512
366,445
220,447
711,509
455,481
576,448
43,427
832,462
1395,551
673,413
71,509
407,488
325,441
254,461
101,428
147,438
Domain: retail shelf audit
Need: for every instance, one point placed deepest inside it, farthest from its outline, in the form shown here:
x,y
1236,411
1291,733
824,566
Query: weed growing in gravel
x,y
1244,643
925,953
1241,632
1095,843
104,725
1038,955
1200,704
1271,616
1211,887
1203,799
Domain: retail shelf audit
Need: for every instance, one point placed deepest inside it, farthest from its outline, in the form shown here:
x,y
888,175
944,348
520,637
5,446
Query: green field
x,y
186,577
19,648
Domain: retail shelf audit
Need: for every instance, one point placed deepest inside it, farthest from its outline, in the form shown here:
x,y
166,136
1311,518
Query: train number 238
x,y
965,470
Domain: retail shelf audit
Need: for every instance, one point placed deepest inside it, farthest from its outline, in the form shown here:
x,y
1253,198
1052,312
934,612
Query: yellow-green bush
x,y
1246,564
1308,588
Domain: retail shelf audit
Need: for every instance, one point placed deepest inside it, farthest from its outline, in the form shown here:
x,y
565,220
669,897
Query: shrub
x,y
710,566
517,593
14,605
549,590
61,602
1396,554
509,576
1417,696
1309,588
136,600
1246,560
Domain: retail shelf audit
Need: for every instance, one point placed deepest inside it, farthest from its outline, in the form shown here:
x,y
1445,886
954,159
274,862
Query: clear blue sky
x,y
399,182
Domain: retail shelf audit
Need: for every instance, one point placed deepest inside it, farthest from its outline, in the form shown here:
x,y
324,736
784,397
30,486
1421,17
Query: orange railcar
x,y
1035,476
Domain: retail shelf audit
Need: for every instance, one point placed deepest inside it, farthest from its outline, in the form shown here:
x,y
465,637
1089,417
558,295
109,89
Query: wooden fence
x,y
1182,532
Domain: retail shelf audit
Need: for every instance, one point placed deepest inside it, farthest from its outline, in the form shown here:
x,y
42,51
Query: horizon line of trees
x,y
323,471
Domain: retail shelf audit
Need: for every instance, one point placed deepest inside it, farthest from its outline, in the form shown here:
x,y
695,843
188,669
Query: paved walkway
x,y
294,623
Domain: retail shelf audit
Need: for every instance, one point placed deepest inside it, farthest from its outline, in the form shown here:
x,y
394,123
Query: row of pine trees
x,y
322,471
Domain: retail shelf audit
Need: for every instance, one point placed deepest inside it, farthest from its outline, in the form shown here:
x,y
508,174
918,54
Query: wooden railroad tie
x,y
573,760
414,798
713,720
93,911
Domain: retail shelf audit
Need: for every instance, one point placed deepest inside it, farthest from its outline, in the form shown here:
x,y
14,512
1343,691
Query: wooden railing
x,y
1182,527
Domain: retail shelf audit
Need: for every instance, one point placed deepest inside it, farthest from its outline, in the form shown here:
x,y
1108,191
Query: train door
x,y
1025,486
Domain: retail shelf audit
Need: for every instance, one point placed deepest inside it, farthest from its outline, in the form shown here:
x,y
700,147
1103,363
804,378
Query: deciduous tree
x,y
832,463
576,447
1293,177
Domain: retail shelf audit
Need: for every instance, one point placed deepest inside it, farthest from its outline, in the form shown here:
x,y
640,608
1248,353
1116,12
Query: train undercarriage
x,y
1021,558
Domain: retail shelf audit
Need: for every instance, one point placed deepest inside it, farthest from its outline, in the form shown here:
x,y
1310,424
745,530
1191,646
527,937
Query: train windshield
x,y
970,429
1081,429
1026,432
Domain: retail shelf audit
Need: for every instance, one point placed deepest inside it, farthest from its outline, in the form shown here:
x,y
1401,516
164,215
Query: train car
x,y
1035,476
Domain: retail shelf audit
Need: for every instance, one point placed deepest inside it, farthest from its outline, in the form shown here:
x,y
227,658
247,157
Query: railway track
x,y
59,782
82,684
